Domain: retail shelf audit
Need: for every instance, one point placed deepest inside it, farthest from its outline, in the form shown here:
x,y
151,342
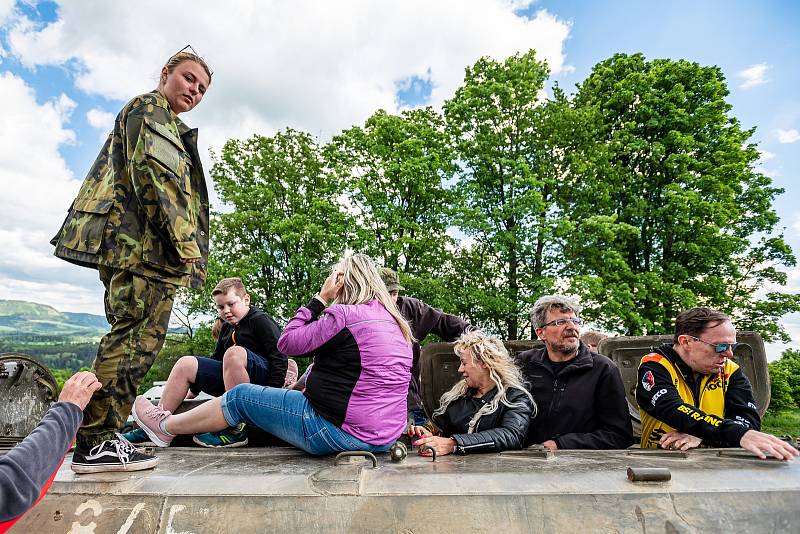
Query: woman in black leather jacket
x,y
487,411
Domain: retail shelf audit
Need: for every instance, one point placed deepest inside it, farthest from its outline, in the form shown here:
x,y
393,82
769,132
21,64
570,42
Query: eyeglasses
x,y
577,321
718,347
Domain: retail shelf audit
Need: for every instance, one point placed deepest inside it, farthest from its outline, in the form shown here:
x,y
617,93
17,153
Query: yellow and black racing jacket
x,y
718,408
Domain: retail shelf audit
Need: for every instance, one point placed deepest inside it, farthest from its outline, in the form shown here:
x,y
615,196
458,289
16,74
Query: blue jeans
x,y
288,415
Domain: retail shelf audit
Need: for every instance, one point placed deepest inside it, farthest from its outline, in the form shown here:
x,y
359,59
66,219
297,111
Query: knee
x,y
186,366
234,357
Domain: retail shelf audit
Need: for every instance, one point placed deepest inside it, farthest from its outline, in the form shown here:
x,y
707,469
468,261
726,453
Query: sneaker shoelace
x,y
157,413
123,448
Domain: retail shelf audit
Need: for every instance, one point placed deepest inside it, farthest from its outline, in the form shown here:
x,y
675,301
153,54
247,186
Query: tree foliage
x,y
395,168
285,227
638,193
784,375
500,133
684,219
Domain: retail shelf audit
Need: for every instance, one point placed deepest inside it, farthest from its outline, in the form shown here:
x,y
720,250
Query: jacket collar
x,y
486,398
669,353
162,102
583,360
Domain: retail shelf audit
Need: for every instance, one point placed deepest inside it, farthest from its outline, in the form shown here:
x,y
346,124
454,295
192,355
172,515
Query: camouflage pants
x,y
138,309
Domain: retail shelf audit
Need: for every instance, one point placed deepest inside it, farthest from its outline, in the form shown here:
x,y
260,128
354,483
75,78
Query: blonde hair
x,y
182,56
226,284
216,328
505,374
363,283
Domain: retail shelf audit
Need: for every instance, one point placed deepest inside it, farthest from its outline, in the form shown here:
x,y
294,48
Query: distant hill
x,y
30,321
19,318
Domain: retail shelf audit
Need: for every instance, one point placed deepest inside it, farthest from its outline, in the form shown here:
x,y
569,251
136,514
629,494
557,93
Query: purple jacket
x,y
362,367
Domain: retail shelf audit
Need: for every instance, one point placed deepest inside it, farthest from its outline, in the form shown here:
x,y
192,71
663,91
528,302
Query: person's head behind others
x,y
392,281
556,323
592,339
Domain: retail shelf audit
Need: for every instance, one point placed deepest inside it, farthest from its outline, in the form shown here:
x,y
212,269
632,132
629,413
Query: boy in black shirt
x,y
246,352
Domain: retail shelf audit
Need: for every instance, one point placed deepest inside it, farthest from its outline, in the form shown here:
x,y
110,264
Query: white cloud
x,y
102,120
787,136
320,67
765,155
6,10
315,66
753,76
37,185
37,190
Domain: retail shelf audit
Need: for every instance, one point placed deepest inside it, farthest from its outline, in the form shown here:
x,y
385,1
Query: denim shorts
x,y
288,415
209,374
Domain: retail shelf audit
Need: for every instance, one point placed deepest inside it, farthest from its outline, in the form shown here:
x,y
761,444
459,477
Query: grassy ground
x,y
781,423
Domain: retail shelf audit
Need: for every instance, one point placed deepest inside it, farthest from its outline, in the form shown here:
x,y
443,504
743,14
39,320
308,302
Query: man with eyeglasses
x,y
692,393
579,393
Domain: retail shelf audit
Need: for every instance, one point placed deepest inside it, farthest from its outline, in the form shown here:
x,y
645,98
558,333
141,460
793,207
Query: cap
x,y
391,279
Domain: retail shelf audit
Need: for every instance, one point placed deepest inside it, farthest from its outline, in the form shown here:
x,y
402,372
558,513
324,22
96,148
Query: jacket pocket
x,y
161,255
166,148
83,229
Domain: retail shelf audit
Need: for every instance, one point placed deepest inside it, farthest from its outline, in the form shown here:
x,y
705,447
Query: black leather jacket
x,y
501,430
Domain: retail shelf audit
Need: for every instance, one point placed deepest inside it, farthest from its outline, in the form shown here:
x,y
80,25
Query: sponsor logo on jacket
x,y
648,381
657,395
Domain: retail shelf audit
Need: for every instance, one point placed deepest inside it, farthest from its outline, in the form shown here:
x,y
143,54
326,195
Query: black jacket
x,y
500,430
258,332
583,407
741,413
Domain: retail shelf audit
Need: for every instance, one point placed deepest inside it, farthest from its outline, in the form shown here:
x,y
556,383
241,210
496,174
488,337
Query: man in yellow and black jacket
x,y
692,393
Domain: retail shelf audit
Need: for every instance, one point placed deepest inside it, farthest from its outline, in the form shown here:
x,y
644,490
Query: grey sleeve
x,y
26,468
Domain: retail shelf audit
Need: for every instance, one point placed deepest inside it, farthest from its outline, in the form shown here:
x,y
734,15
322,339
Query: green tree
x,y
502,138
395,168
283,227
780,390
786,372
680,217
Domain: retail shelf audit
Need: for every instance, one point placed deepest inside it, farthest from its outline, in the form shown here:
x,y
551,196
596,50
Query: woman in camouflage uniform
x,y
140,219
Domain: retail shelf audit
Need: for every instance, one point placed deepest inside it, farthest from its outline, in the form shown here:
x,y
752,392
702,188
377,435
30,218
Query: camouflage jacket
x,y
144,204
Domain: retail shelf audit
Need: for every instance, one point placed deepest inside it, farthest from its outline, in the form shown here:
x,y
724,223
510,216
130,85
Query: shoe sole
x,y
83,469
227,446
158,442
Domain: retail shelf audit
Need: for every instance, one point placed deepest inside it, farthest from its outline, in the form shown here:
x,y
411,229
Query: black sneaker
x,y
112,455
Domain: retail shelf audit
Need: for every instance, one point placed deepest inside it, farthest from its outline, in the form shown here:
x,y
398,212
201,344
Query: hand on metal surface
x,y
441,445
679,441
79,388
762,444
550,444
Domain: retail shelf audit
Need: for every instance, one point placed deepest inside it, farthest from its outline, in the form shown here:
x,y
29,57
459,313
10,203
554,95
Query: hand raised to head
x,y
333,284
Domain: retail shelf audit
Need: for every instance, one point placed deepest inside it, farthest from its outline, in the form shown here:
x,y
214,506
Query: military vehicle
x,y
278,488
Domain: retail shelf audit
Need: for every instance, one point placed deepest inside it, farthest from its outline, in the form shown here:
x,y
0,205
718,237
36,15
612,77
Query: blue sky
x,y
65,70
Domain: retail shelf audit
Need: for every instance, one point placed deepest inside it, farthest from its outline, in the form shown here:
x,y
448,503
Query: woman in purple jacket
x,y
355,396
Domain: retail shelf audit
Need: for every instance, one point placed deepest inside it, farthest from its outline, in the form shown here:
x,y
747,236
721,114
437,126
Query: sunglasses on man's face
x,y
718,347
